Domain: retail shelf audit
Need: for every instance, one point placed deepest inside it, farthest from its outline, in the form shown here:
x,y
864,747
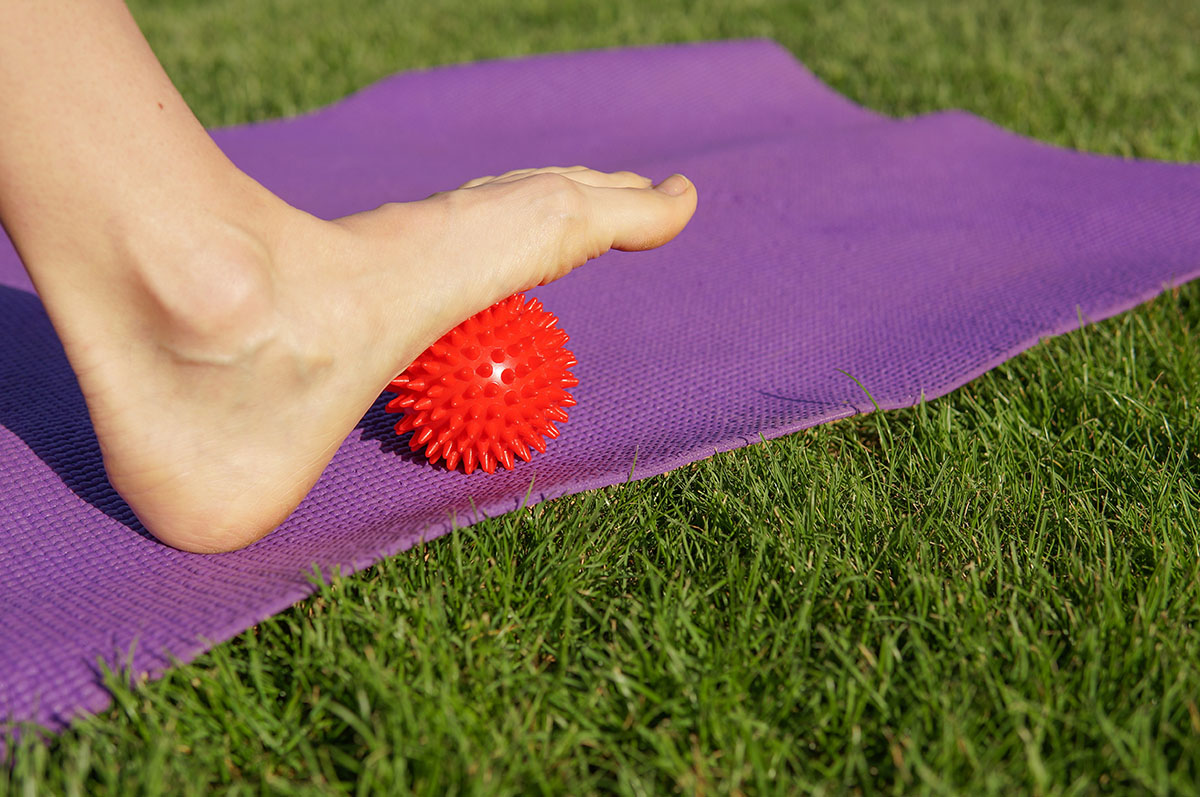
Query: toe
x,y
478,181
584,175
610,179
638,218
573,222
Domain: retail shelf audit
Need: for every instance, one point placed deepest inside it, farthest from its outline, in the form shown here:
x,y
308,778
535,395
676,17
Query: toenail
x,y
674,185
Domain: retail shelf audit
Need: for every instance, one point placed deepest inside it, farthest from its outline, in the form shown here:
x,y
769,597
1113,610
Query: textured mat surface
x,y
830,243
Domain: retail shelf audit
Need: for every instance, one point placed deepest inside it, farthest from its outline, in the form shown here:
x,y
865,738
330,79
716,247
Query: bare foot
x,y
184,355
225,342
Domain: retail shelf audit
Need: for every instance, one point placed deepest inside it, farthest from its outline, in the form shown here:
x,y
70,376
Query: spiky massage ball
x,y
489,388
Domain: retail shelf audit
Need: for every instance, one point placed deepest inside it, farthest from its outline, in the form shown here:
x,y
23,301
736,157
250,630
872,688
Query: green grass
x,y
997,592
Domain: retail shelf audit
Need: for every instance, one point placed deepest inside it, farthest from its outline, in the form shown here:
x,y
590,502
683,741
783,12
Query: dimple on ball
x,y
489,389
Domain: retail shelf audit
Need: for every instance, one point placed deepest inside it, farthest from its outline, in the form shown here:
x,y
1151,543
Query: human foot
x,y
191,302
186,346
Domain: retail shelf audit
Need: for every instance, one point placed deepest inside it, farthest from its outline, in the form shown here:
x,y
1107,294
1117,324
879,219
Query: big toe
x,y
634,219
576,216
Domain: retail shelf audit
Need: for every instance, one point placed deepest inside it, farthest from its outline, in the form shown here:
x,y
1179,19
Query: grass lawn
x,y
997,592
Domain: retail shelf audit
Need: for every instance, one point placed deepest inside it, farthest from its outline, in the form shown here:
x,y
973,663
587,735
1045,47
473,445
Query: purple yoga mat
x,y
830,243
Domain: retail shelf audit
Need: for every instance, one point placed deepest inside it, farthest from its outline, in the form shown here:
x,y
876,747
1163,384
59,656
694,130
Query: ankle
x,y
196,268
207,289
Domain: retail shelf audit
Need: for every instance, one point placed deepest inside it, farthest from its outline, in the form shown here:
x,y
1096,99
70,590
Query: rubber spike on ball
x,y
489,389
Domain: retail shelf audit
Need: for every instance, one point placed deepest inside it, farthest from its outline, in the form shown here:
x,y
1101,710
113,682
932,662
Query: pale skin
x,y
190,299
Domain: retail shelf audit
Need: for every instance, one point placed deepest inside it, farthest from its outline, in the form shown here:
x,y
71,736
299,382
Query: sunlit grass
x,y
997,592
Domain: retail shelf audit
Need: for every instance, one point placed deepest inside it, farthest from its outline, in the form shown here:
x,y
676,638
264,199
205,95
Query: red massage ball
x,y
489,388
